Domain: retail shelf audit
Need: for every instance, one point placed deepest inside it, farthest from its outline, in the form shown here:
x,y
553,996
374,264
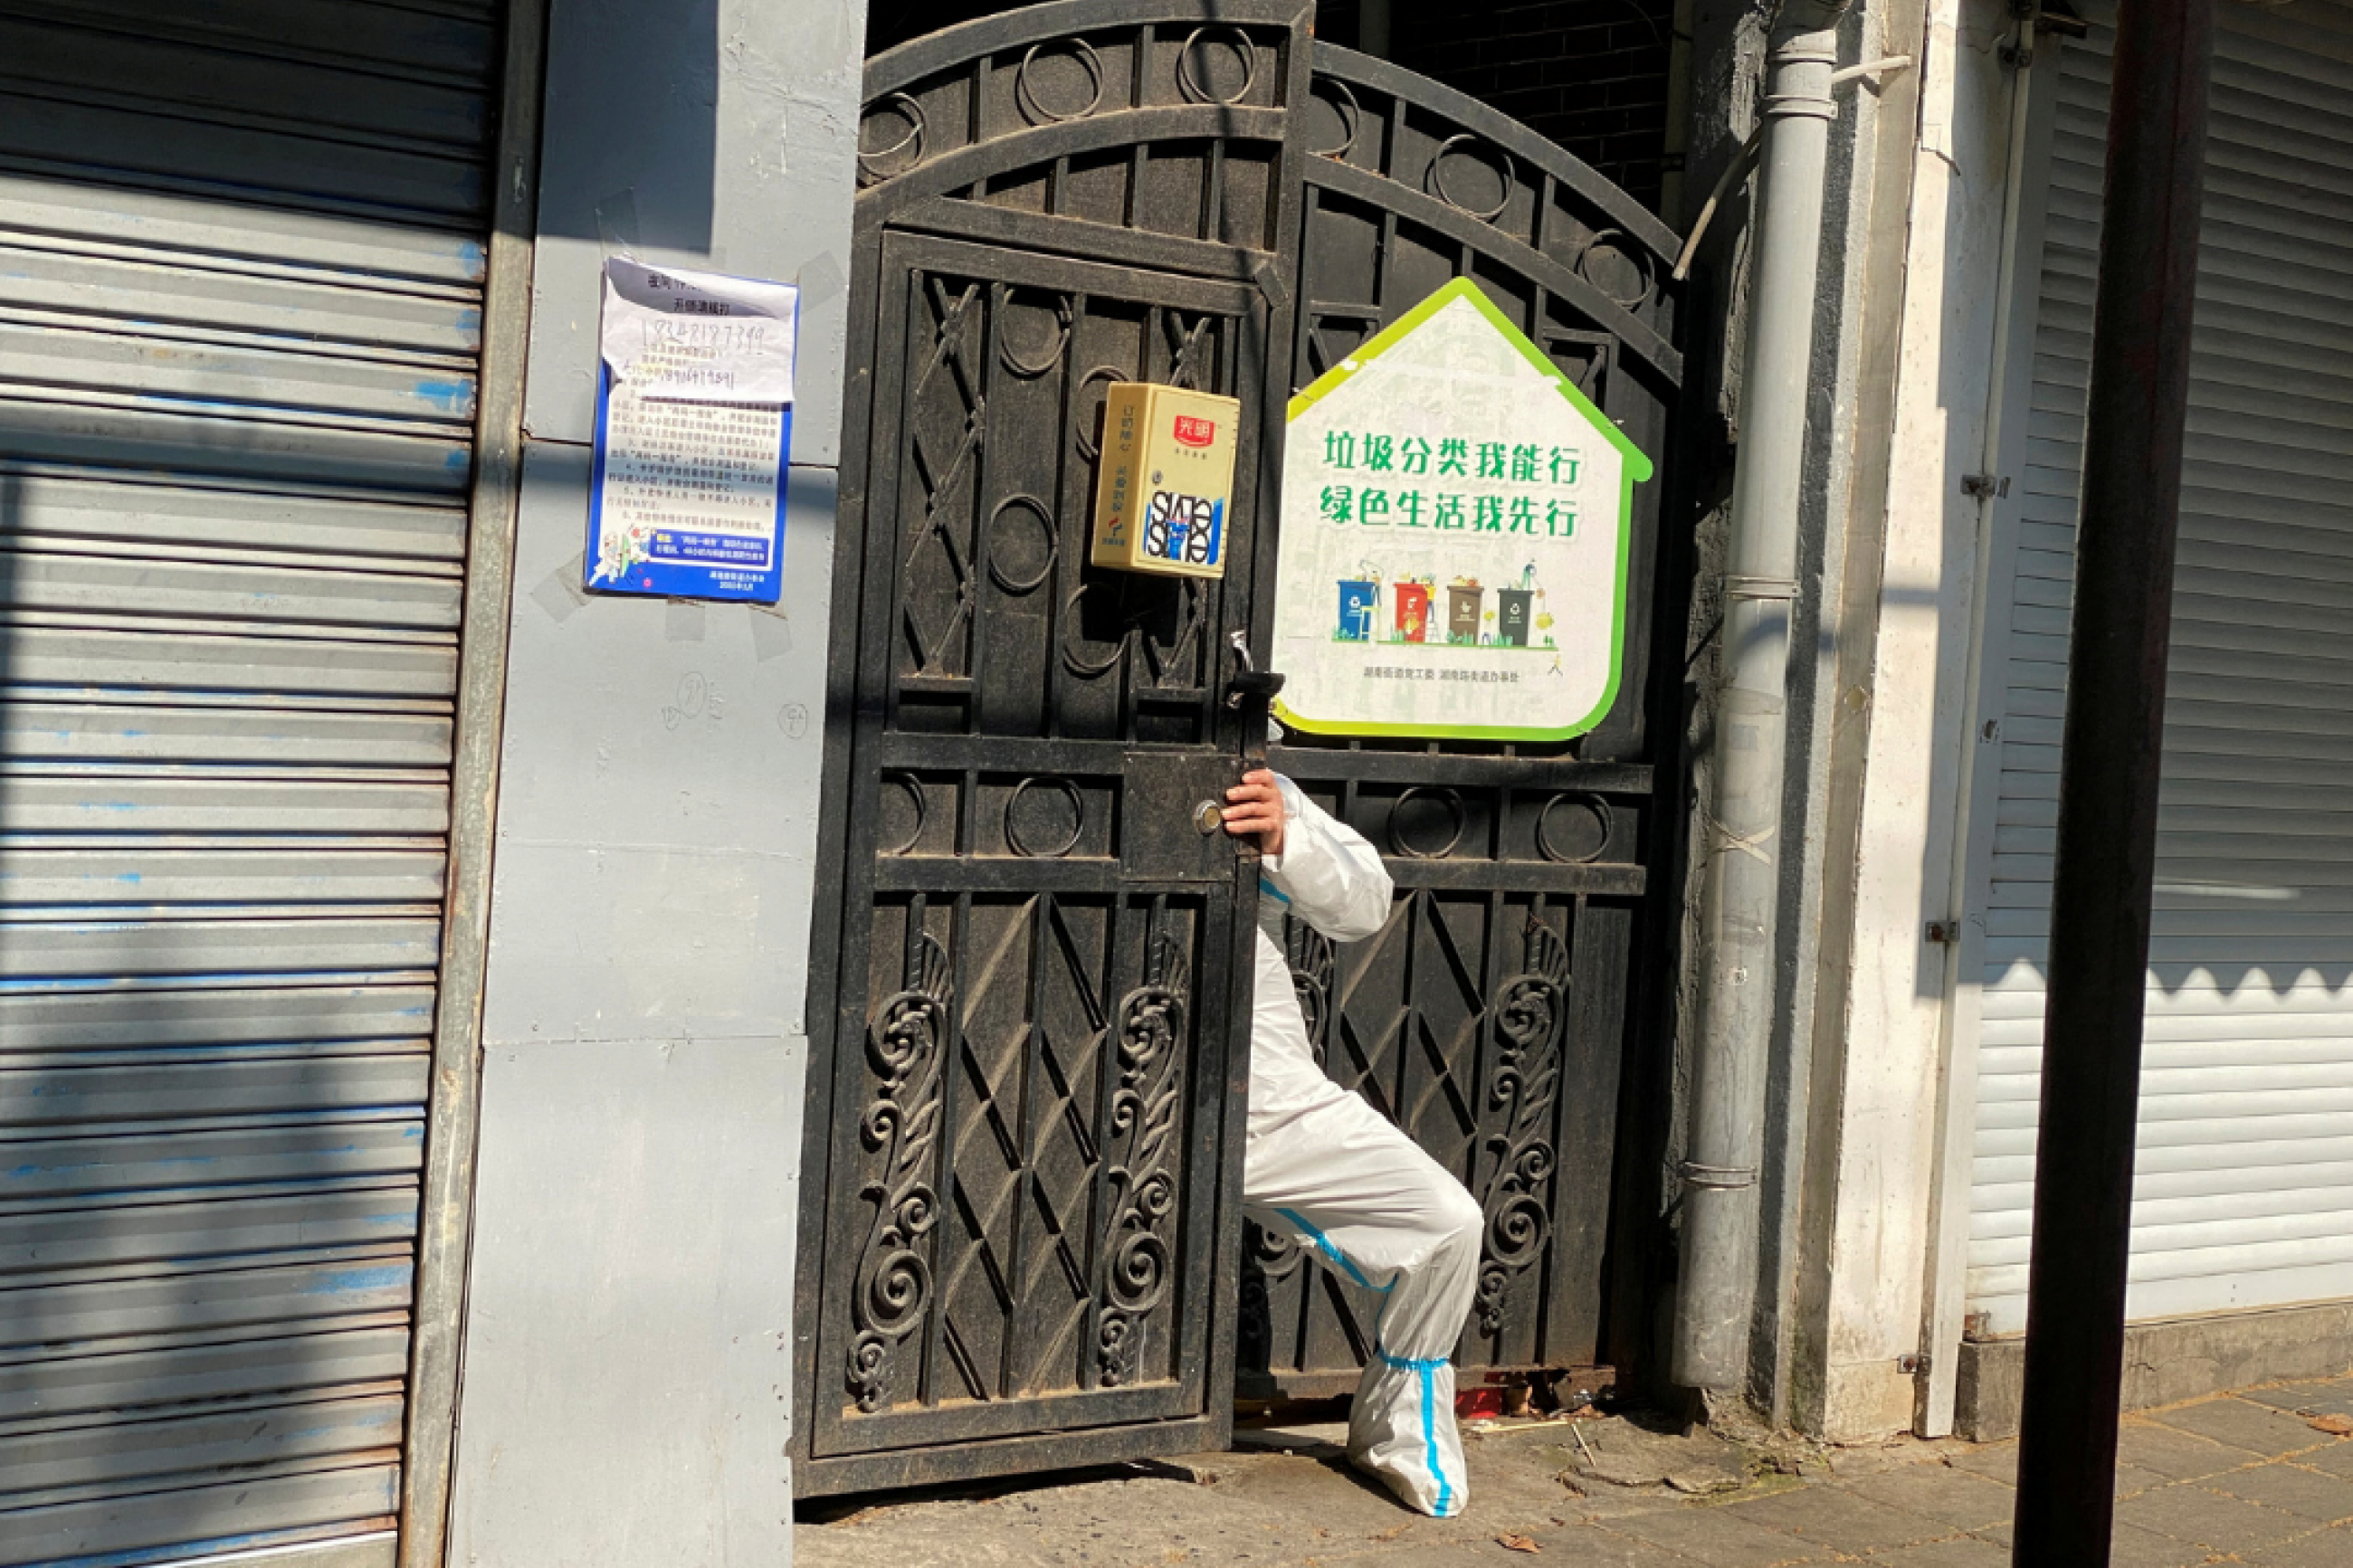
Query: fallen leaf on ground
x,y
1511,1542
2335,1425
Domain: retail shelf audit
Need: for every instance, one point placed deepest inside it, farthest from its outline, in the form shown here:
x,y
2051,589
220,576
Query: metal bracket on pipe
x,y
1717,1178
1738,585
1882,66
1745,159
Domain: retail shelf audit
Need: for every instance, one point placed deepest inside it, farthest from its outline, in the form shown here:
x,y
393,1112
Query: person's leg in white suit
x,y
1321,1165
1348,1183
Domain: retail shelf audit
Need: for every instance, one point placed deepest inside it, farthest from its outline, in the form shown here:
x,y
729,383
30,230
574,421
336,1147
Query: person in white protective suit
x,y
1321,1165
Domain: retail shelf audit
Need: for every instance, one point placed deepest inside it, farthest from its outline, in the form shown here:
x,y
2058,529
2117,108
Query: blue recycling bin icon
x,y
1360,604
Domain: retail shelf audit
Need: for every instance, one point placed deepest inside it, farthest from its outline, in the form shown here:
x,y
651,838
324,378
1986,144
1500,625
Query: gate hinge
x,y
1984,486
1913,1365
1943,931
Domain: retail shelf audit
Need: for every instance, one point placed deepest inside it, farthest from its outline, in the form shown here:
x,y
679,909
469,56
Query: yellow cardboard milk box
x,y
1166,479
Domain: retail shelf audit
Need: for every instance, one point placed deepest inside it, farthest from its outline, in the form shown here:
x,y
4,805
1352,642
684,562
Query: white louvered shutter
x,y
241,257
2244,1195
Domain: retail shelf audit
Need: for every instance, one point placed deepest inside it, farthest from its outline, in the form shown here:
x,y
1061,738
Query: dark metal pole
x,y
2131,499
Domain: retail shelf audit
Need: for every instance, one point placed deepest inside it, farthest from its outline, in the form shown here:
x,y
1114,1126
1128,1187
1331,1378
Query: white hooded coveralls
x,y
1321,1165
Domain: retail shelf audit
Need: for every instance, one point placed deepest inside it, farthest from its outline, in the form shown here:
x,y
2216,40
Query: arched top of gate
x,y
1490,189
1166,115
1187,119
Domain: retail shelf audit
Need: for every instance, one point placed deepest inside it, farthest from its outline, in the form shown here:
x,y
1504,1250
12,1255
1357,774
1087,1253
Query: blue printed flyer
x,y
694,419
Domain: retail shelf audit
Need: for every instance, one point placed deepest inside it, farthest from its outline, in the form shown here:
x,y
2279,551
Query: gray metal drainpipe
x,y
1718,1281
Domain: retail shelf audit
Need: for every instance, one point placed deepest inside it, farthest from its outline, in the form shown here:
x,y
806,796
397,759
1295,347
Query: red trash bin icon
x,y
1413,611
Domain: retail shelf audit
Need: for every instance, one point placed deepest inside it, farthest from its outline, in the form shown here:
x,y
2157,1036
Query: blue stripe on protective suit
x,y
1323,1245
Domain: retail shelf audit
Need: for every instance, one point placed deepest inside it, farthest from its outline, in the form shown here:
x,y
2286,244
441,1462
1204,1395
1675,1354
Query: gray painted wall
x,y
1858,293
625,1399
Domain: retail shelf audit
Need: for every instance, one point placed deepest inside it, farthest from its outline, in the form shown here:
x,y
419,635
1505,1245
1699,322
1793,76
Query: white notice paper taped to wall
x,y
696,337
694,425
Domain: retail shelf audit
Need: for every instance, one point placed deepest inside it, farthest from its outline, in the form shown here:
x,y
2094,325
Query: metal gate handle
x,y
1249,683
1247,691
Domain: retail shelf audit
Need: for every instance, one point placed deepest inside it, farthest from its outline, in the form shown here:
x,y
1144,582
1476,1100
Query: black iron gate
x,y
1020,1242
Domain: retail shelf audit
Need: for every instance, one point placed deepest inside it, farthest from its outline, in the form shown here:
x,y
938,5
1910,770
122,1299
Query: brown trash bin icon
x,y
1463,602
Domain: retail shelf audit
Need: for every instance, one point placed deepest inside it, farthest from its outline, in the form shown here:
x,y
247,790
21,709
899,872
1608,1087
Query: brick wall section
x,y
1589,74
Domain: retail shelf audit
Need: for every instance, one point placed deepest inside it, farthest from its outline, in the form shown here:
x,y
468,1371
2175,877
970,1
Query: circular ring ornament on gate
x,y
1196,84
1614,265
1000,546
1031,369
1018,843
1350,113
869,162
1552,836
1084,668
911,789
1089,409
1404,828
1507,175
1033,107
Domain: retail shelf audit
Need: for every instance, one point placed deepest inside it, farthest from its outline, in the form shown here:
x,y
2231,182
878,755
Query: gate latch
x,y
1172,816
1248,684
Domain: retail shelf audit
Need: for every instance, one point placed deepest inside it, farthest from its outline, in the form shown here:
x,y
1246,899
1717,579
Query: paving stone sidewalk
x,y
2240,1479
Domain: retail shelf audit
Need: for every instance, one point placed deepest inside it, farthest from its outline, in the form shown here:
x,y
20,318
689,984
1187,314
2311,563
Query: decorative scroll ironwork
x,y
906,1041
1152,1039
1528,1013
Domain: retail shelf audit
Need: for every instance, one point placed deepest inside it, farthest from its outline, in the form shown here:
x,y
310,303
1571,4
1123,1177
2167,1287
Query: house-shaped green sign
x,y
1453,538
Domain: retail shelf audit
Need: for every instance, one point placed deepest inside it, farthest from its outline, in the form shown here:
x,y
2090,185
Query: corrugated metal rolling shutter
x,y
2245,1189
241,257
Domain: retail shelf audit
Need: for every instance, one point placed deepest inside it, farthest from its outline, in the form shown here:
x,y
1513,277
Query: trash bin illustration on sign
x,y
1512,616
1463,601
1360,601
1413,612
